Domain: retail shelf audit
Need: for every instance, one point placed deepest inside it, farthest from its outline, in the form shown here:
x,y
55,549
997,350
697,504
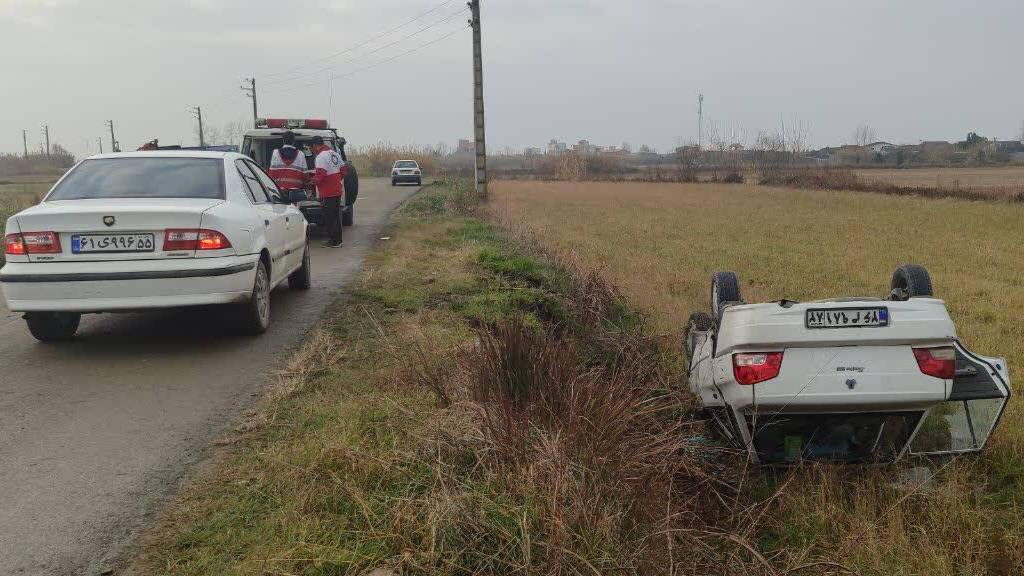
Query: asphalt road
x,y
94,434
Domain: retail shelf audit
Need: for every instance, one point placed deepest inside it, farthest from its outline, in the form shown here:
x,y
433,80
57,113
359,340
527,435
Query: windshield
x,y
143,178
405,164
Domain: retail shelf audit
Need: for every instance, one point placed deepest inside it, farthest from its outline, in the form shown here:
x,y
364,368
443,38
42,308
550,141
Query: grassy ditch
x,y
470,408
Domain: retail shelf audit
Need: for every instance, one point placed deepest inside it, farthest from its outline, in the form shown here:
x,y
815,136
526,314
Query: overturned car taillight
x,y
938,362
757,367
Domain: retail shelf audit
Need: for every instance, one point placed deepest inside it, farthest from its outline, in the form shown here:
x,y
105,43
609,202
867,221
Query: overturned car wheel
x,y
911,281
725,289
698,322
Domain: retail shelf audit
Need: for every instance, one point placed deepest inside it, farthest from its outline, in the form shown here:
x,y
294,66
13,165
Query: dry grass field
x,y
996,177
660,243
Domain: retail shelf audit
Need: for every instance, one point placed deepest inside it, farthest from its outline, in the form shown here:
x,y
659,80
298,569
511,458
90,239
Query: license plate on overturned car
x,y
92,243
872,317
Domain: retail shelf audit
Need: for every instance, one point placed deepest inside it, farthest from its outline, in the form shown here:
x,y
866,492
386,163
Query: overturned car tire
x,y
725,289
912,280
698,322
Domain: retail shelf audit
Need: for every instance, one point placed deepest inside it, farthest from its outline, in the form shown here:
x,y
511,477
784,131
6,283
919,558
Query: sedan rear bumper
x,y
409,178
122,286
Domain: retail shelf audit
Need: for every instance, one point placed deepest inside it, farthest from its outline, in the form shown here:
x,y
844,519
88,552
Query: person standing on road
x,y
329,178
288,165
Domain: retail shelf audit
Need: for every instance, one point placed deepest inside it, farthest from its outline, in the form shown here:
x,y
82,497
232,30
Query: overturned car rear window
x,y
156,177
878,437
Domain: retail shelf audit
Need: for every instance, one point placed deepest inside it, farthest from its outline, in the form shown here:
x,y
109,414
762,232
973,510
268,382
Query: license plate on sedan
x,y
99,243
873,317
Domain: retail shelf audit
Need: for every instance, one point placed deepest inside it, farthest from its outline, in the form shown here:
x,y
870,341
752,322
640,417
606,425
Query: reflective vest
x,y
330,174
287,168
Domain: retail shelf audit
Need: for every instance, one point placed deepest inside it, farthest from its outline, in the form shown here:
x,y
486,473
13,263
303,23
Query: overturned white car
x,y
848,379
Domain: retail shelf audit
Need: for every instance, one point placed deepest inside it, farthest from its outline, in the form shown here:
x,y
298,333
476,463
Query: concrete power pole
x,y
700,121
198,113
249,87
24,142
478,103
114,145
46,135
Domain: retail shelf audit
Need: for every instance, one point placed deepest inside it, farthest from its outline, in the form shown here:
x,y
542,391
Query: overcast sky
x,y
569,69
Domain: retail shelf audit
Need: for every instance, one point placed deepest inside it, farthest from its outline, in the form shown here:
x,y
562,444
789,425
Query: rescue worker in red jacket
x,y
329,178
288,166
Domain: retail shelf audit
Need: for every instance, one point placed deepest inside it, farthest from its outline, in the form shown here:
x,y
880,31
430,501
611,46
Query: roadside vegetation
x,y
660,243
470,408
486,401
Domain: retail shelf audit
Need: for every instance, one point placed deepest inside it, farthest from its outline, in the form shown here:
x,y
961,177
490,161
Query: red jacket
x,y
288,168
330,175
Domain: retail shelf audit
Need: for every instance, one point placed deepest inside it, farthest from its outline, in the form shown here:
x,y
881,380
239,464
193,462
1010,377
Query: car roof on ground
x,y
166,154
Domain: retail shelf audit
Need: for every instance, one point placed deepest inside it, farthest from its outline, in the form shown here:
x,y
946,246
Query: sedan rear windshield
x,y
406,164
143,178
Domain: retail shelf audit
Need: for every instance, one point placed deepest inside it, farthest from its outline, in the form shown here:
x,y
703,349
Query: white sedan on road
x,y
148,230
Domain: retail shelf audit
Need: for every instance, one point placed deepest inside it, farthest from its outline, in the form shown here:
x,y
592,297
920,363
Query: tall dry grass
x,y
378,159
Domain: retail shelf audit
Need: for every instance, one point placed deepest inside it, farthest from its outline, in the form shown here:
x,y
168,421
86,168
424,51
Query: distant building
x,y
466,147
881,148
584,147
532,151
556,147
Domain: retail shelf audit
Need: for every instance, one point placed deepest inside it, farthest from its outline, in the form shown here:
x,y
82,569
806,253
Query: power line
x,y
287,89
357,45
327,68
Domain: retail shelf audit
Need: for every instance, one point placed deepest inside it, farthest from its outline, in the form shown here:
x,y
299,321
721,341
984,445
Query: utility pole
x,y
46,135
99,142
197,112
249,87
700,121
478,102
114,145
24,142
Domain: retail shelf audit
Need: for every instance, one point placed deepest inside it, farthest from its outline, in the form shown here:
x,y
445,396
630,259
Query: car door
x,y
977,398
274,225
295,231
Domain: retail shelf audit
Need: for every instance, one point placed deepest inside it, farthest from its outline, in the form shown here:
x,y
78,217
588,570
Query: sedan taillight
x,y
937,362
32,243
754,368
194,239
13,244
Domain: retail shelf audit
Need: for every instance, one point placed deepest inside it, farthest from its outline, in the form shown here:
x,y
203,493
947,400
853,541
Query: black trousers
x,y
332,217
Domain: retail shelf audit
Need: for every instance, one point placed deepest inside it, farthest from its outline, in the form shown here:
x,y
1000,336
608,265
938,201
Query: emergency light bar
x,y
292,123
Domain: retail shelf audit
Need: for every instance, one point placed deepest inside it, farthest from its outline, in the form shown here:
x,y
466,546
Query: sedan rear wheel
x,y
53,326
256,313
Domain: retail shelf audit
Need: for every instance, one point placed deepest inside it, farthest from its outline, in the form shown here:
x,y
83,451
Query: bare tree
x,y
227,133
864,135
233,131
